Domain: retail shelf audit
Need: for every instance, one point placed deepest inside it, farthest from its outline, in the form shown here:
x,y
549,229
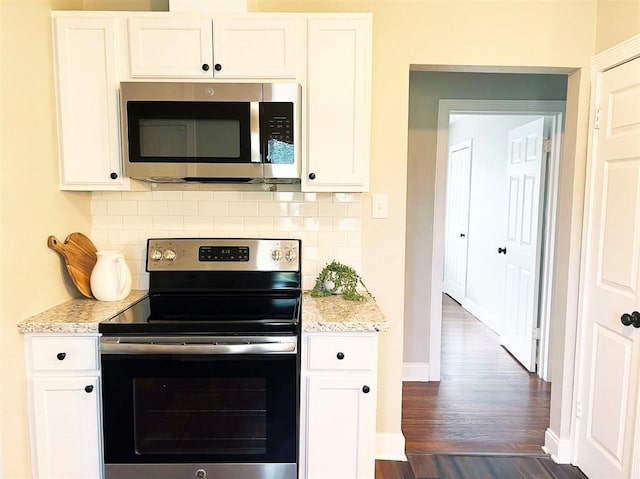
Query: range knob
x,y
291,255
169,255
276,255
156,255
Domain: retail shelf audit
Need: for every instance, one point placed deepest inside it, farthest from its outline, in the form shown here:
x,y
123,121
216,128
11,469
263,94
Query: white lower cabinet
x,y
339,405
64,406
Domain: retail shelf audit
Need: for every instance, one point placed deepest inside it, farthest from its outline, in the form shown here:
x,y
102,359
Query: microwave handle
x,y
254,124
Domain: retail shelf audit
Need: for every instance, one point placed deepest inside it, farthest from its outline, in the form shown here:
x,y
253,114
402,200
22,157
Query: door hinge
x,y
579,409
596,123
536,333
546,146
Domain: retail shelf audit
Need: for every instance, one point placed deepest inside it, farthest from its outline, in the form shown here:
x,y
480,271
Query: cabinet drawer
x,y
63,354
343,353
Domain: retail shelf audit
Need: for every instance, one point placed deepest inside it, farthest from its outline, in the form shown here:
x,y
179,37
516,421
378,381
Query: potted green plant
x,y
337,278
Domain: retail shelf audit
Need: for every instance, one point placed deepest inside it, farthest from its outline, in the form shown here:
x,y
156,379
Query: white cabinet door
x,y
340,427
338,105
207,48
66,425
255,47
86,57
170,47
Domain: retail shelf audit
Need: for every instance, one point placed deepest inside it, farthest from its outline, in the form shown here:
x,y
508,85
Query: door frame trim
x,y
501,107
617,55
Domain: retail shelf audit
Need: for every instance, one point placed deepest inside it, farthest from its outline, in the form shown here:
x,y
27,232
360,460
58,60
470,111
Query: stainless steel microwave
x,y
211,132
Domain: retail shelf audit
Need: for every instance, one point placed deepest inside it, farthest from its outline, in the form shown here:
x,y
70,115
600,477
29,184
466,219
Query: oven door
x,y
200,407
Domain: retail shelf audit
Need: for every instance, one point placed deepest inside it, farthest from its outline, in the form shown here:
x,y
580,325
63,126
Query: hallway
x,y
485,402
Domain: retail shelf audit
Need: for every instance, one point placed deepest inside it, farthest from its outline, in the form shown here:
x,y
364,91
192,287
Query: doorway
x,y
500,188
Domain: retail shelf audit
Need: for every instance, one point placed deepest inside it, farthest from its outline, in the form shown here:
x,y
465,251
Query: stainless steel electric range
x,y
201,378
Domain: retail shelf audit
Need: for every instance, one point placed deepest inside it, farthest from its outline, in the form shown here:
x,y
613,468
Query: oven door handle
x,y
112,346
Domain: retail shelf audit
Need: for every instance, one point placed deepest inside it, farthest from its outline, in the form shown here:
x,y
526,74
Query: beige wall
x,y
472,32
618,20
31,206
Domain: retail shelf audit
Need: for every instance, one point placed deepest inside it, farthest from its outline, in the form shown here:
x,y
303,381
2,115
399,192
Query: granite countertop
x,y
334,313
328,314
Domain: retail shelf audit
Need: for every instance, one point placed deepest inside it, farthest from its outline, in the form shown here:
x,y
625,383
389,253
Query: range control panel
x,y
223,254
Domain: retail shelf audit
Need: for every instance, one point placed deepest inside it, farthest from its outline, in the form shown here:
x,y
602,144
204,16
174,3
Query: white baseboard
x,y
390,446
415,372
479,312
560,450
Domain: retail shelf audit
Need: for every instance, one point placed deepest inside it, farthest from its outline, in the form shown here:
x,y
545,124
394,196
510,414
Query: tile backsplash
x,y
329,224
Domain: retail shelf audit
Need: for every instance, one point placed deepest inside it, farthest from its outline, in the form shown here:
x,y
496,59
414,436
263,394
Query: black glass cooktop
x,y
208,314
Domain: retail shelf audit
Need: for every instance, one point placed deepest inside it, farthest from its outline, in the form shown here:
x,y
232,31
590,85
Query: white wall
x,y
487,211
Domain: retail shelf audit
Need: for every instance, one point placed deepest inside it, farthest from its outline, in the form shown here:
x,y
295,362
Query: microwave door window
x,y
189,138
189,132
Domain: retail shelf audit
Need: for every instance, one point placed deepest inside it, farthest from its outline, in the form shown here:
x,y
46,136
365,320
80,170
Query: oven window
x,y
200,408
200,416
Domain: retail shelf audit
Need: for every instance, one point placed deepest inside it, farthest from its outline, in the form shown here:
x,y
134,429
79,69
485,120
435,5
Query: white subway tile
x,y
273,209
354,238
227,195
258,224
137,195
184,233
288,196
153,208
347,197
167,195
332,238
198,223
140,281
182,208
347,224
308,238
109,195
122,207
325,256
310,253
168,222
98,207
107,222
347,255
303,209
122,238
288,224
243,209
197,195
257,196
318,224
213,208
137,223
308,282
354,210
318,197
143,236
100,238
333,210
228,223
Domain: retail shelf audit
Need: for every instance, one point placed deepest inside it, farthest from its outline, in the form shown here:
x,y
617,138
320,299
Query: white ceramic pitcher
x,y
111,277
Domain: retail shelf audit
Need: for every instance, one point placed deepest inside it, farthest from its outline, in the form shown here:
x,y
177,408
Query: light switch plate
x,y
379,205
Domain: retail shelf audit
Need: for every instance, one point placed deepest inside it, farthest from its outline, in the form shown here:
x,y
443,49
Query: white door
x,y
525,170
611,351
457,220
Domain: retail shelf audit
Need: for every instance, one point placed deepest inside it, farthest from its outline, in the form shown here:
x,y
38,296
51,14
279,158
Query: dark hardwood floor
x,y
486,418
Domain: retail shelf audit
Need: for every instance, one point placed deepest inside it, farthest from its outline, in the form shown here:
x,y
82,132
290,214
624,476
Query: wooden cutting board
x,y
80,257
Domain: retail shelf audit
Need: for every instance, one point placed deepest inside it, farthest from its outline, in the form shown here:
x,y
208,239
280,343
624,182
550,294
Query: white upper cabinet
x,y
87,78
170,47
234,47
338,104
